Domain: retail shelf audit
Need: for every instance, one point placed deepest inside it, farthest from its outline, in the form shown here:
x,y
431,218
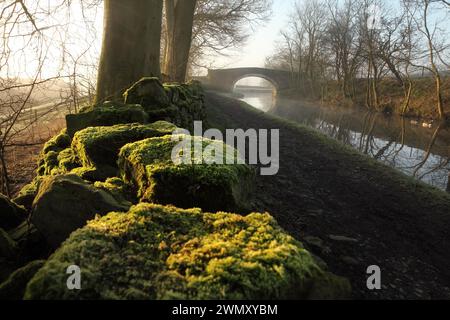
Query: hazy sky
x,y
261,42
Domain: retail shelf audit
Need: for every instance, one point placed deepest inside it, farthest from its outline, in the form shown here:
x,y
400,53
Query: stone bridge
x,y
225,79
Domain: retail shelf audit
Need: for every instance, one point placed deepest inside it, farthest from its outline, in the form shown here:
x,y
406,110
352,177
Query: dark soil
x,y
324,189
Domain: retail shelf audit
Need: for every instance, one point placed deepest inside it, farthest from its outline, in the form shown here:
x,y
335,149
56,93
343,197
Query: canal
x,y
419,149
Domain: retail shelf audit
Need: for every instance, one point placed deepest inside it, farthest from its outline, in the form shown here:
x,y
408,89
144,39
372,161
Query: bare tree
x,y
341,40
224,24
406,54
425,28
35,82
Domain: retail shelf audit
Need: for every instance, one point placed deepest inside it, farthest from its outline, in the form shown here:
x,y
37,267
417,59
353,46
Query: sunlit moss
x,y
27,194
148,164
157,252
59,142
50,157
101,145
68,160
121,191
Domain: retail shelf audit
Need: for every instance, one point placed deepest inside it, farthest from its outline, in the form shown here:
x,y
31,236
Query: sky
x,y
261,43
253,53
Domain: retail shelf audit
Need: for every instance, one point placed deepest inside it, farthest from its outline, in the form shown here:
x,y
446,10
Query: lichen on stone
x,y
162,252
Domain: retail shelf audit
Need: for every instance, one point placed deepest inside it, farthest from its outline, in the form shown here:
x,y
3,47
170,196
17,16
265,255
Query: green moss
x,y
100,145
148,165
96,149
68,160
121,191
149,93
56,156
57,143
48,163
188,99
180,104
65,203
8,247
156,252
27,194
94,174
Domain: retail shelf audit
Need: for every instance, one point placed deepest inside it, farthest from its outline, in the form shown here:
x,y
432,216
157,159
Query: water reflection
x,y
418,151
262,99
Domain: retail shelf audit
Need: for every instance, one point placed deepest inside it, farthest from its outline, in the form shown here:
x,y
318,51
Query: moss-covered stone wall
x,y
161,242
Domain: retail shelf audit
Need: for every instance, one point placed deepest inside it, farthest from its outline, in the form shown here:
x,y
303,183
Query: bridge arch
x,y
225,79
255,75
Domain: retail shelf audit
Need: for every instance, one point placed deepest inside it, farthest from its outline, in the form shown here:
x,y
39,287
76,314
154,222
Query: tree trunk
x,y
407,87
368,84
131,45
179,22
440,105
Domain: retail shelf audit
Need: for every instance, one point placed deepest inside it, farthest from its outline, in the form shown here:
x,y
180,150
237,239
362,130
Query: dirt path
x,y
380,217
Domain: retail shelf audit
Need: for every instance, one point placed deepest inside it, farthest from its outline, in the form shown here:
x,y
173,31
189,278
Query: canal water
x,y
421,150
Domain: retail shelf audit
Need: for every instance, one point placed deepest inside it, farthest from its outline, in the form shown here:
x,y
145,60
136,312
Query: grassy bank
x,y
422,105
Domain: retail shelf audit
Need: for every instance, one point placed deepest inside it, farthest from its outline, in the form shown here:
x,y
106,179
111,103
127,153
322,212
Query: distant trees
x,y
423,25
340,39
357,43
44,60
131,45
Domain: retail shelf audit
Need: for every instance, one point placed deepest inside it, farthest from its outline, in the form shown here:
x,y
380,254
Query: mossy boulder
x,y
30,241
149,93
189,102
26,195
122,192
58,143
157,252
11,215
56,156
65,203
99,146
68,160
148,164
108,114
8,247
180,104
14,287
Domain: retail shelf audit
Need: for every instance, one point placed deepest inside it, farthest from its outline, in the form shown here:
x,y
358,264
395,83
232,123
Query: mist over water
x,y
418,151
263,100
